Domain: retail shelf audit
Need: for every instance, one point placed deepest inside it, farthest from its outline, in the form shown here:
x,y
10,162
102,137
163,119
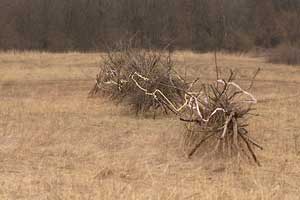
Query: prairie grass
x,y
285,53
55,143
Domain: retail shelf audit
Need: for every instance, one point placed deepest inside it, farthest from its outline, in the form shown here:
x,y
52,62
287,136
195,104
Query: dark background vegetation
x,y
203,25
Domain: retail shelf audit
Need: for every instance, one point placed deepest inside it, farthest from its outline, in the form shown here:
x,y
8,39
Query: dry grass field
x,y
57,144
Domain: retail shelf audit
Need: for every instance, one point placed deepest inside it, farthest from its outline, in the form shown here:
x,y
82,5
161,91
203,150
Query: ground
x,y
55,143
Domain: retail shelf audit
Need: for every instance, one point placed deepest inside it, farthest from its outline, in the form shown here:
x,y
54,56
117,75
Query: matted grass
x,y
55,143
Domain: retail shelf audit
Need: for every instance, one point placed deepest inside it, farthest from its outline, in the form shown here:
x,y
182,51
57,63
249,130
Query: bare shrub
x,y
216,115
285,54
123,65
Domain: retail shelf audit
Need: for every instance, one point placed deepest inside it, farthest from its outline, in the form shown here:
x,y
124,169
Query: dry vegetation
x,y
55,143
147,80
286,54
120,73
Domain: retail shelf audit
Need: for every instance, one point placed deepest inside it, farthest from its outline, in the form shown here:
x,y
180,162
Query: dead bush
x,y
123,65
285,54
216,115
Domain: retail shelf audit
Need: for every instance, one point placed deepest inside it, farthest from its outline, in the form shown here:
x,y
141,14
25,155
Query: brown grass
x,y
286,54
57,144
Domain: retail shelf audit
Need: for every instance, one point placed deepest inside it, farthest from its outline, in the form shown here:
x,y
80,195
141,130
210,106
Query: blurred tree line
x,y
203,25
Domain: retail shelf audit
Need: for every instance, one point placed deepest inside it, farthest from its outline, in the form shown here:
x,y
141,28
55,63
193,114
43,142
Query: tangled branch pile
x,y
216,115
124,66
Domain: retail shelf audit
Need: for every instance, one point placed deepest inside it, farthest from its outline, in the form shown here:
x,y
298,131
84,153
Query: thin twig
x,y
216,64
199,144
253,78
